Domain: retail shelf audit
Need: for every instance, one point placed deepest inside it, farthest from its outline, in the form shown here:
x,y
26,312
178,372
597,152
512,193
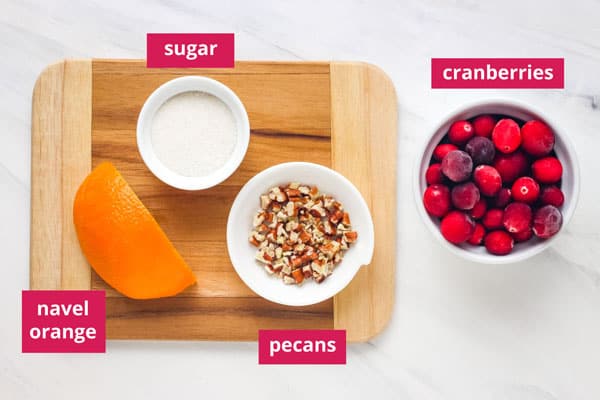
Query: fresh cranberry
x,y
506,136
434,174
441,150
538,139
499,243
552,195
465,195
522,236
487,179
460,132
547,170
479,209
484,125
517,217
525,189
437,200
493,219
547,221
511,166
481,150
457,227
502,198
477,236
457,166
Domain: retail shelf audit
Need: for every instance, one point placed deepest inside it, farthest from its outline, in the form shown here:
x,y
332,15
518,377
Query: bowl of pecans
x,y
298,232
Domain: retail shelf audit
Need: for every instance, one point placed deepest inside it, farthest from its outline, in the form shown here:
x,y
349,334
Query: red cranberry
x,y
525,189
547,221
465,195
538,139
511,166
437,200
517,217
547,170
487,179
434,174
460,132
502,198
457,166
457,227
552,195
484,125
506,136
499,243
479,209
441,150
477,236
522,236
493,219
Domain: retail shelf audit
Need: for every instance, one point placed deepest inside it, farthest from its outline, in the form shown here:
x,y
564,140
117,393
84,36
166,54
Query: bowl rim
x,y
486,258
367,233
168,90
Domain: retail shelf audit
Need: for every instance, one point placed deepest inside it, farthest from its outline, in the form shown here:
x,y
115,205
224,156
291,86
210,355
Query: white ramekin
x,y
164,93
247,203
564,151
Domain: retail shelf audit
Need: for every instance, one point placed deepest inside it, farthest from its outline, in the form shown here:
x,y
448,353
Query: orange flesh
x,y
122,241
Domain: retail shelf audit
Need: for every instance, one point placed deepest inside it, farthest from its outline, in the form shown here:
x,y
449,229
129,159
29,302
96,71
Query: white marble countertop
x,y
459,330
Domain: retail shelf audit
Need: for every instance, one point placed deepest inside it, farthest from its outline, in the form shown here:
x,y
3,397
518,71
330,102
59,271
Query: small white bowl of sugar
x,y
193,132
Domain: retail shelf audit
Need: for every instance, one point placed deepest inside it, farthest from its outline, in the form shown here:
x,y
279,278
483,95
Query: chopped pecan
x,y
300,233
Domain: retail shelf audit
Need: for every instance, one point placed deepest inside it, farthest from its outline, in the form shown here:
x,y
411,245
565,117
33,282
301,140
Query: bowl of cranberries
x,y
497,181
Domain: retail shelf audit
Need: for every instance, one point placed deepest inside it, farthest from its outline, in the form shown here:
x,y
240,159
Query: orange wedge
x,y
122,241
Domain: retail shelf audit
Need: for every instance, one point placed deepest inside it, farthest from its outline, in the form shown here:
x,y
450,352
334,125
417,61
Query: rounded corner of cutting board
x,y
53,68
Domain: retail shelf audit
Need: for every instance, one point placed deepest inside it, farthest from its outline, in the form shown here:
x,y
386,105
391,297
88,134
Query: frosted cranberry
x,y
537,137
441,150
465,195
477,236
434,174
457,227
499,243
547,170
493,219
502,198
460,132
506,136
525,189
522,236
517,217
437,200
457,166
481,150
511,166
552,195
484,125
487,179
547,221
479,209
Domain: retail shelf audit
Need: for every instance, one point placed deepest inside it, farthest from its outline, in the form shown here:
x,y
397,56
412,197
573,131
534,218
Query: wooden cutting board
x,y
341,115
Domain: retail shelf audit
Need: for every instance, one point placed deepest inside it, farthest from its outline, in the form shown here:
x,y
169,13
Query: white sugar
x,y
194,133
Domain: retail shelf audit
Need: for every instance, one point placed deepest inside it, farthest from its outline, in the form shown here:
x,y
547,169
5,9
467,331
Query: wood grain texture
x,y
364,119
225,319
338,115
61,158
289,116
76,165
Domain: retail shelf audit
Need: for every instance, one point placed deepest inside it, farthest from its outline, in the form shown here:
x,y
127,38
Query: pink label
x,y
63,321
190,50
497,73
302,347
